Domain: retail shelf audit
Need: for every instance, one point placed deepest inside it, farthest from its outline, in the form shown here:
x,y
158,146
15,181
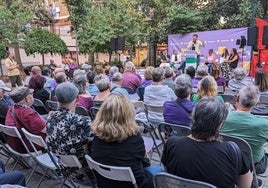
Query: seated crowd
x,y
114,138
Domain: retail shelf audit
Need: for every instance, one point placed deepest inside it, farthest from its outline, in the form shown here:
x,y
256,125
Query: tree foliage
x,y
42,42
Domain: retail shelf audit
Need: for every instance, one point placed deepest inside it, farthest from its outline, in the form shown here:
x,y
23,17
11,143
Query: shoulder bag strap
x,y
16,117
188,111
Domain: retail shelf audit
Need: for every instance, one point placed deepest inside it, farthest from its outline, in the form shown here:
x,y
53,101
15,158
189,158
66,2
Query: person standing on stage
x,y
196,45
13,70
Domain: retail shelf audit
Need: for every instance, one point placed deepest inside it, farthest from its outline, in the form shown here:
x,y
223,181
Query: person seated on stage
x,y
239,79
21,115
11,178
164,59
130,78
201,72
182,106
206,87
243,124
80,81
67,132
103,84
116,135
157,93
201,157
210,59
169,74
177,61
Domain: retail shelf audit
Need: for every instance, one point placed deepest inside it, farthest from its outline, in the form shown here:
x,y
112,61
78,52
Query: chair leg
x,y
31,174
39,183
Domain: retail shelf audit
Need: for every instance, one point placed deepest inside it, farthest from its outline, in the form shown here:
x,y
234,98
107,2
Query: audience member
x,y
201,72
21,115
190,71
112,70
103,84
98,69
117,136
56,71
116,88
11,178
67,132
27,70
46,72
216,73
169,73
92,88
243,124
37,83
179,111
5,101
130,78
239,79
206,87
200,156
59,77
157,93
36,70
147,76
80,81
86,67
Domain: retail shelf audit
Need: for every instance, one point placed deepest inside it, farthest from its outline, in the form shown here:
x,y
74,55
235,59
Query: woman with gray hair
x,y
182,106
239,79
103,84
80,81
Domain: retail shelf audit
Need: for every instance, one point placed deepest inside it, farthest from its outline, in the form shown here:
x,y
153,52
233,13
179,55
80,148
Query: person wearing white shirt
x,y
196,45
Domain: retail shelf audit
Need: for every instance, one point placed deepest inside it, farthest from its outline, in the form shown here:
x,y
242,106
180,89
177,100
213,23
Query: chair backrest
x,y
81,111
34,139
263,99
38,104
69,161
228,98
229,91
93,112
52,105
137,104
112,172
220,89
153,109
173,130
13,132
165,180
245,148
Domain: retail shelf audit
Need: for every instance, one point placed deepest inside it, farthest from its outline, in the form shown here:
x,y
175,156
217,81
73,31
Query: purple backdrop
x,y
215,40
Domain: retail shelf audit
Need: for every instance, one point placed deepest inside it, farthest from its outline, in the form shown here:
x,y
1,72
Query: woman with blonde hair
x,y
206,87
117,141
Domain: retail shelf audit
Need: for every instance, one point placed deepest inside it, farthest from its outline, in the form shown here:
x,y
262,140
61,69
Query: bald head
x,y
36,70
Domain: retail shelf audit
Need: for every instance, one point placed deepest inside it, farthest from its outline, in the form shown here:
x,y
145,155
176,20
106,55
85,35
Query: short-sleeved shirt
x,y
212,162
10,63
128,153
30,120
249,127
174,113
68,133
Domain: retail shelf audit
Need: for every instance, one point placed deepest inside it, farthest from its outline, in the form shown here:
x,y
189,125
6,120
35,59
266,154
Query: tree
x,y
42,42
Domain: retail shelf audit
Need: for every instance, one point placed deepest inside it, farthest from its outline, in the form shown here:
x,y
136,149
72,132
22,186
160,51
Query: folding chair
x,y
166,180
245,148
169,129
93,112
81,111
112,172
263,99
220,89
153,110
52,105
151,141
229,91
13,132
40,107
46,160
228,98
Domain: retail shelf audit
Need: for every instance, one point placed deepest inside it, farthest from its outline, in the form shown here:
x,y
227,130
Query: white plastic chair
x,y
112,172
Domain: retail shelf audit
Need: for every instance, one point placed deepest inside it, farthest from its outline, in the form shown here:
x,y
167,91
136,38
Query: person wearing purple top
x,y
202,71
216,73
147,76
179,111
130,78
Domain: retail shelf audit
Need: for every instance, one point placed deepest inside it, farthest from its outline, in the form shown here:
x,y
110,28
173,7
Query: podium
x,y
190,58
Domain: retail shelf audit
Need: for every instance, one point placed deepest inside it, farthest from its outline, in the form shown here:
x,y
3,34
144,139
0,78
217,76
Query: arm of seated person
x,y
245,180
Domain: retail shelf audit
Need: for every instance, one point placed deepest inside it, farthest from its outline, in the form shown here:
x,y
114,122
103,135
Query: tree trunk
x,y
91,58
17,55
151,54
43,59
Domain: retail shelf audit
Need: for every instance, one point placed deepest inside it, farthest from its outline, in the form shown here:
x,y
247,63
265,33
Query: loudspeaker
x,y
243,42
252,36
265,36
118,43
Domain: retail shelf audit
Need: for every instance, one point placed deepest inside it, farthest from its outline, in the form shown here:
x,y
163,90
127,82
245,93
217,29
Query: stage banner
x,y
216,40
